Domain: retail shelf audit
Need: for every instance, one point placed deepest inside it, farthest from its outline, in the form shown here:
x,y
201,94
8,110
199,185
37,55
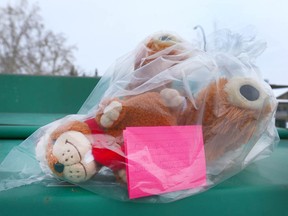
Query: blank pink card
x,y
164,159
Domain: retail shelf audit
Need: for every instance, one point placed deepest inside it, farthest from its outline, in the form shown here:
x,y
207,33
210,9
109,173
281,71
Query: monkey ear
x,y
71,126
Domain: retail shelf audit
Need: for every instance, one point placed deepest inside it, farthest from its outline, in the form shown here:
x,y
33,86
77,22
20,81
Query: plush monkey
x,y
68,152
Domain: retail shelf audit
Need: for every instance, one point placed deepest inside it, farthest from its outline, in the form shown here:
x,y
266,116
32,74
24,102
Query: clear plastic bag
x,y
168,120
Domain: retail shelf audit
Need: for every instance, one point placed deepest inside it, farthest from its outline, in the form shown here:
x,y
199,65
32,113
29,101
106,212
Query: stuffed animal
x,y
67,151
158,53
166,45
228,109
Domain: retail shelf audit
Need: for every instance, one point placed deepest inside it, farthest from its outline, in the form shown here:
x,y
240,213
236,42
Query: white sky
x,y
104,30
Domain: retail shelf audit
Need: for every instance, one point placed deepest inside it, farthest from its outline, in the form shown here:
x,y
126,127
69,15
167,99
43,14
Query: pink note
x,y
164,159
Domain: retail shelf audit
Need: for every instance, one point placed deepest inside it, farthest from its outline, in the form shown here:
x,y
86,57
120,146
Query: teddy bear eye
x,y
249,92
165,38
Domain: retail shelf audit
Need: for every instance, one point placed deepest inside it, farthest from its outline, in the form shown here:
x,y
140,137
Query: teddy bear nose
x,y
249,92
59,167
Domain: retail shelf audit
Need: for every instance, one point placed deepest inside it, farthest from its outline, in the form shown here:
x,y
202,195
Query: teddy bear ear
x,y
71,126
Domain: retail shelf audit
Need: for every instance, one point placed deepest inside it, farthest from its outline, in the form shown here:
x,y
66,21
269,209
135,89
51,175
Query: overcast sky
x,y
104,30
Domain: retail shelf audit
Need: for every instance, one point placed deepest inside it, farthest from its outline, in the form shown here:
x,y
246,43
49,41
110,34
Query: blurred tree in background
x,y
26,47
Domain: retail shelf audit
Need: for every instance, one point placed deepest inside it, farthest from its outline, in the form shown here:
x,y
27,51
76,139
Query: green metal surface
x,y
260,189
38,119
43,94
16,132
283,133
22,125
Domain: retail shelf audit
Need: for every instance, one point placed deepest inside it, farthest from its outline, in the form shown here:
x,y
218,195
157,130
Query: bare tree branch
x,y
27,48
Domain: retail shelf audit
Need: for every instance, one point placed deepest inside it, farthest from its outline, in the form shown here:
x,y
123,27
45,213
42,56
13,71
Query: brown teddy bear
x,y
165,45
157,53
229,110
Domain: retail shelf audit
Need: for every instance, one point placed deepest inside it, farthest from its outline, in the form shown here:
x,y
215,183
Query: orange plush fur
x,y
143,110
225,126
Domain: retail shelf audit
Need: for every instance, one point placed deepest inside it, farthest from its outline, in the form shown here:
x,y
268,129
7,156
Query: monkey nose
x,y
59,167
249,92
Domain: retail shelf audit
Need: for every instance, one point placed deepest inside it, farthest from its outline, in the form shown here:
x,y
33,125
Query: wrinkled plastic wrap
x,y
167,120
